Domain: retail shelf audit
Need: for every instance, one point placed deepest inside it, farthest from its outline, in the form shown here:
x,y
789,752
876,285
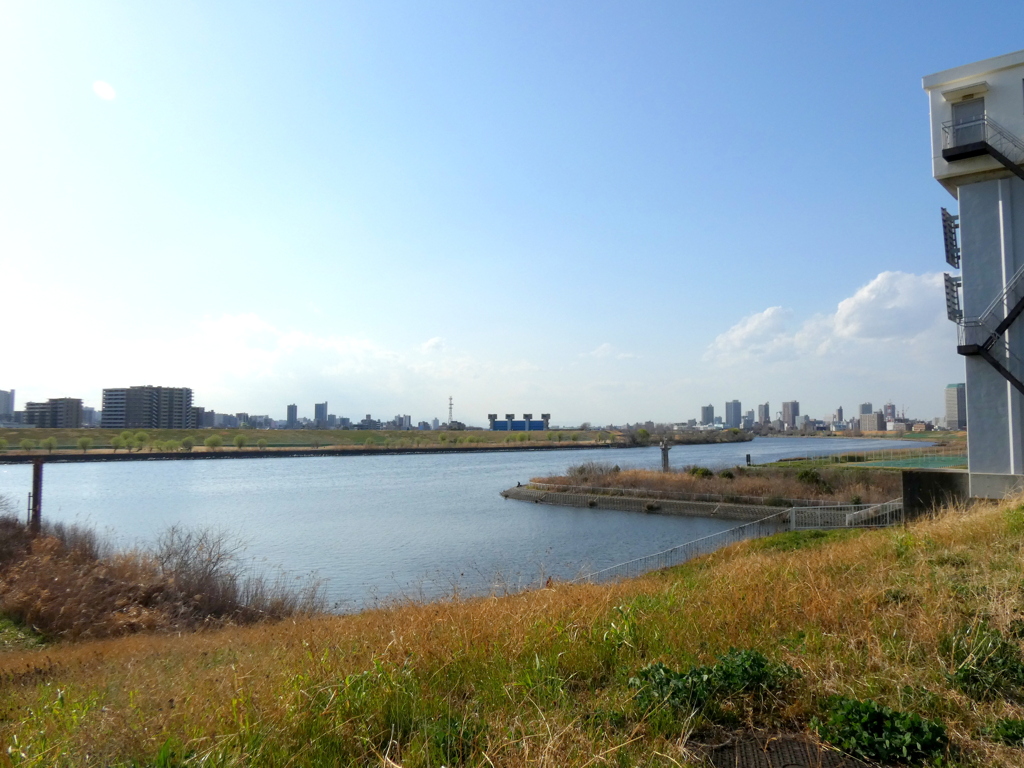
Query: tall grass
x,y
66,583
543,678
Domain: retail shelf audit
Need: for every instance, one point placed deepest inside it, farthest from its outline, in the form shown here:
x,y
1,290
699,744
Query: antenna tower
x,y
449,410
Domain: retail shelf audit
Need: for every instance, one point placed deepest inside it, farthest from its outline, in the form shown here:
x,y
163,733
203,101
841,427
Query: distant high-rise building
x,y
764,415
865,408
58,413
435,424
733,414
6,403
748,420
147,407
956,406
872,422
320,414
839,415
707,414
790,410
293,416
889,410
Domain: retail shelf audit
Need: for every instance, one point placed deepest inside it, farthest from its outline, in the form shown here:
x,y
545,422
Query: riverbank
x,y
768,486
595,498
564,676
201,454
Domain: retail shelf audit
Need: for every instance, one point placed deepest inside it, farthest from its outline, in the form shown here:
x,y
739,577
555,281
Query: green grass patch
x,y
793,540
14,637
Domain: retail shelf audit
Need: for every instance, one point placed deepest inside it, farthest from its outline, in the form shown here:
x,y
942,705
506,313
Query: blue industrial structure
x,y
525,424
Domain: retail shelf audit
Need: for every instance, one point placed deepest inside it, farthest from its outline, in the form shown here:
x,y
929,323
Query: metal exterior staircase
x,y
987,137
984,335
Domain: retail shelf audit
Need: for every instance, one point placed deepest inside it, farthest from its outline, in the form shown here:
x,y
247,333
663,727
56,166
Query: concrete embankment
x,y
723,511
69,457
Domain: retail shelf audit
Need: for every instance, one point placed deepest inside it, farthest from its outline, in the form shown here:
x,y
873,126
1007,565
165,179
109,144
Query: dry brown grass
x,y
64,584
837,485
544,672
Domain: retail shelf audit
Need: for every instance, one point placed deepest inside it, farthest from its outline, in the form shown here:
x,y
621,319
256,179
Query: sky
x,y
607,211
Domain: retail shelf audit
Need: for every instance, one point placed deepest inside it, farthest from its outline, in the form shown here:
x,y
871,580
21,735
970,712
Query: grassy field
x,y
67,439
922,622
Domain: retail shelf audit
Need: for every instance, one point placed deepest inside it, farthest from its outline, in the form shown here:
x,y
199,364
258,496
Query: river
x,y
377,528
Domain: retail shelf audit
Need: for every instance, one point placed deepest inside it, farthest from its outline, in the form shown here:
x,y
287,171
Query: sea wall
x,y
724,511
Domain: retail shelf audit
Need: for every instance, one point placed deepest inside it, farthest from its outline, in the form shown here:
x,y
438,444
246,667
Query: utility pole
x,y
35,522
449,411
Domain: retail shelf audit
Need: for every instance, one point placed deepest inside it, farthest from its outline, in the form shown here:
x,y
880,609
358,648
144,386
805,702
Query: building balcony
x,y
982,136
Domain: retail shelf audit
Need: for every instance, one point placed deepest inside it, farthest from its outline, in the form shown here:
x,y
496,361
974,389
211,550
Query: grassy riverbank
x,y
195,440
828,484
923,620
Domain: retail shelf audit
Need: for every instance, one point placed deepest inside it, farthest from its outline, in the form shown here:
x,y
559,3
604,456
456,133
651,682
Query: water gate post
x,y
665,448
36,521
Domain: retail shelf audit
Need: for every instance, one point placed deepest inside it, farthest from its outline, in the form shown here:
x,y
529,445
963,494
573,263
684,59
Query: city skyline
x,y
734,416
351,197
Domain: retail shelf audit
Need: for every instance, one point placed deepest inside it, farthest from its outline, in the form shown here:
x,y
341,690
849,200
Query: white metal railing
x,y
795,518
847,516
985,129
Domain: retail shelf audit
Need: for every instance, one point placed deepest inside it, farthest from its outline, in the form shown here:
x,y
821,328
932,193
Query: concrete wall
x,y
926,489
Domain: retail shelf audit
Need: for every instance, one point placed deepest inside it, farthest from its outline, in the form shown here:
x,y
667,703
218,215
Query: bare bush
x,y
67,583
590,470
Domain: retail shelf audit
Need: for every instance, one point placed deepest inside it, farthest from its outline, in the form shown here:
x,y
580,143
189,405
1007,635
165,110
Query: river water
x,y
401,526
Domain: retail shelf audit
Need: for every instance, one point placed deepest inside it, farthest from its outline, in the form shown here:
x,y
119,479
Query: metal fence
x,y
938,456
847,516
795,518
644,493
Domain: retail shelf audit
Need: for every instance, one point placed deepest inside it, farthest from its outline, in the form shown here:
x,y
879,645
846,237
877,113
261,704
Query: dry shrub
x,y
65,583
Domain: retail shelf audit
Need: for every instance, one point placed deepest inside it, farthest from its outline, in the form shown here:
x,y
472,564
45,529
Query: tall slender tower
x,y
977,128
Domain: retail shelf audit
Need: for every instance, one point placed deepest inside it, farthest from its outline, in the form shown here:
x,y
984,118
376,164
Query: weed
x,y
453,740
903,543
983,664
738,673
793,540
871,731
589,471
700,472
896,596
1006,731
727,474
813,478
1015,520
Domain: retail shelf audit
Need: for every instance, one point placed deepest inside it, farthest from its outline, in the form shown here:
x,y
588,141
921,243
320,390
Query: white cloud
x,y
435,344
895,308
104,90
608,350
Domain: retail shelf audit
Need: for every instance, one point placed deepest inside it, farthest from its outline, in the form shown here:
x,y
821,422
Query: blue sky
x,y
608,211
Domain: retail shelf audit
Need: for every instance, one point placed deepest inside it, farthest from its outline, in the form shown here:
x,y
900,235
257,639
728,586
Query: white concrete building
x,y
977,131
